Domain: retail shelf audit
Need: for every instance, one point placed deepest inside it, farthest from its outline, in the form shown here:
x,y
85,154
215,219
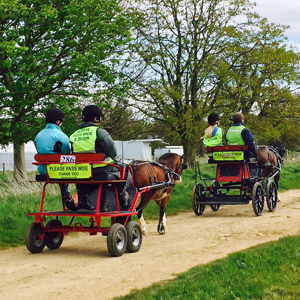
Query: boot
x,y
69,202
84,203
104,205
123,199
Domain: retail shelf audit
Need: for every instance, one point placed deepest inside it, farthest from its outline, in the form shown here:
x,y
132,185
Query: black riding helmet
x,y
213,118
54,114
91,111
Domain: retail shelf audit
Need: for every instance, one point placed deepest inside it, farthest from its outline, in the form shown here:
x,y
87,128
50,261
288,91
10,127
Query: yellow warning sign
x,y
69,171
227,155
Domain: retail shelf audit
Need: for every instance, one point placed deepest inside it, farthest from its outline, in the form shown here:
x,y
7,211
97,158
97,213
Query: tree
x,y
194,57
54,53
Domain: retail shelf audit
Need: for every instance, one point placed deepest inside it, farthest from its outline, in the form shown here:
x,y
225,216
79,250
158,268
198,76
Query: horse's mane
x,y
167,155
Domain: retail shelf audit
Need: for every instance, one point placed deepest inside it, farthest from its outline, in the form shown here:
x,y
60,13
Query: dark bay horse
x,y
270,159
162,177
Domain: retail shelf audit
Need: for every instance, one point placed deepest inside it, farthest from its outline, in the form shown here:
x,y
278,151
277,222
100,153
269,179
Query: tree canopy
x,y
193,57
55,53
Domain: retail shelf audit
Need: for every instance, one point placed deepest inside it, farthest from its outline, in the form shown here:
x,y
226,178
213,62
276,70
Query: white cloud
x,y
284,12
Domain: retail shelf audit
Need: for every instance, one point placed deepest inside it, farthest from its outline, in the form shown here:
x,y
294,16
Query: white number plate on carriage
x,y
67,158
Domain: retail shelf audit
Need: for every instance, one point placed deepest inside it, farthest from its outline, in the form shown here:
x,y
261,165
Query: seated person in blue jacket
x,y
213,135
91,138
238,134
51,140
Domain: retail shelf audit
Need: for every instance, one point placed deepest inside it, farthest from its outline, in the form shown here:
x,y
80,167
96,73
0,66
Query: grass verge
x,y
268,271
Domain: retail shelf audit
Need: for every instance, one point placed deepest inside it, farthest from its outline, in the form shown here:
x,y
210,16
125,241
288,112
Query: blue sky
x,y
284,12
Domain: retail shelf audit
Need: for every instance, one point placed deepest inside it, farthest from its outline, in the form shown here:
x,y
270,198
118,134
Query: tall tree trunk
x,y
201,150
20,173
189,152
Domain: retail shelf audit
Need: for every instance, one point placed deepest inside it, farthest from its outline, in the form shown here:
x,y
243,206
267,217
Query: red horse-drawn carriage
x,y
238,180
150,180
122,233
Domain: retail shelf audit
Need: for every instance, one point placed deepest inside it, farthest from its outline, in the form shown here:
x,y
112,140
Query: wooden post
x,y
3,167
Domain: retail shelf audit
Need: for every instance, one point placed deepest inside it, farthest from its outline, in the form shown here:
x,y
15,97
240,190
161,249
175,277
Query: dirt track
x,y
83,269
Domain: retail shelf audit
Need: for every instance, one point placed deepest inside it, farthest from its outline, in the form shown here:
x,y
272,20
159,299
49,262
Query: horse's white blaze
x,y
178,180
142,224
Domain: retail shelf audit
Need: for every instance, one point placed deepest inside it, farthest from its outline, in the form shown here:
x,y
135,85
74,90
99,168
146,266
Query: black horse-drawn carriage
x,y
238,181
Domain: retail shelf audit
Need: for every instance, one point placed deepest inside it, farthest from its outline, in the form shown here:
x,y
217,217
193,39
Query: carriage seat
x,y
75,167
226,153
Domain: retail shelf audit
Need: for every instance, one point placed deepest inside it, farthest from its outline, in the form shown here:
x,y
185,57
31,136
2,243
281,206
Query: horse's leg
x,y
161,228
142,223
276,180
145,200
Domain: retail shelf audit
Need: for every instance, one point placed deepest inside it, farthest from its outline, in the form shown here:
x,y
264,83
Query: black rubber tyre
x,y
271,195
198,190
53,240
215,207
116,240
134,236
258,199
34,239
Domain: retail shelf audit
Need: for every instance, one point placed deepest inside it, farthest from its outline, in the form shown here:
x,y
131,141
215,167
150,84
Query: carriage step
x,y
224,203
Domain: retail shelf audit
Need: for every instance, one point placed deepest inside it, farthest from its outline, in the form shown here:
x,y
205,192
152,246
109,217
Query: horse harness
x,y
279,158
166,169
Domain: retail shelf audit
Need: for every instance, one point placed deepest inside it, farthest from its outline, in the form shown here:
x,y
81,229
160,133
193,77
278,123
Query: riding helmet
x,y
91,111
213,118
54,114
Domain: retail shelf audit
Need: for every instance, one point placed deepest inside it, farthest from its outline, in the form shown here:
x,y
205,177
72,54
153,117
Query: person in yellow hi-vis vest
x,y
91,138
238,134
213,135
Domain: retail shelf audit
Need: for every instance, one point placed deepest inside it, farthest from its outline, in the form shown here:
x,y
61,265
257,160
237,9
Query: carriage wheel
x,y
271,195
116,240
53,240
196,196
215,207
34,238
134,235
258,199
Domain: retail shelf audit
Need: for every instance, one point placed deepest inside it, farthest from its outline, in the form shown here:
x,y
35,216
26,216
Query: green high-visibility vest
x,y
234,135
83,141
215,140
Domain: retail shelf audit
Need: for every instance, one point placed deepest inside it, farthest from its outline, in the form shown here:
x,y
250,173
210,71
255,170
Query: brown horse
x,y
162,177
270,160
